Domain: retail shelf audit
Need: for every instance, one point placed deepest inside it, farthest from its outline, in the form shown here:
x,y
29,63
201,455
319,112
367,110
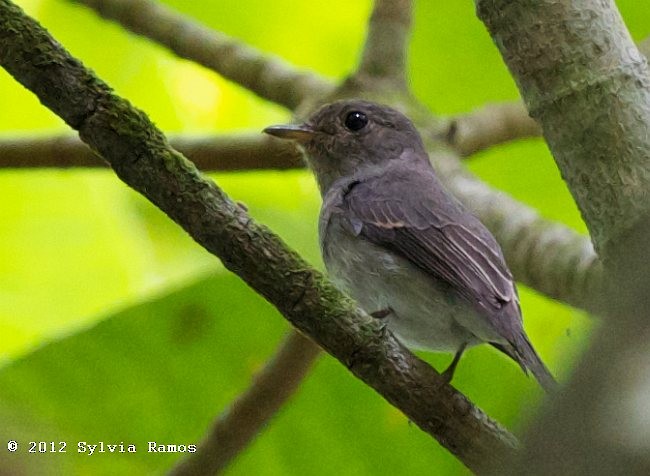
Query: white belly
x,y
424,314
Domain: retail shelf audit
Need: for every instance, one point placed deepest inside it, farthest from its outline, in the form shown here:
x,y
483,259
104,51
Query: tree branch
x,y
599,425
588,86
268,77
491,125
141,157
496,124
224,152
251,411
384,53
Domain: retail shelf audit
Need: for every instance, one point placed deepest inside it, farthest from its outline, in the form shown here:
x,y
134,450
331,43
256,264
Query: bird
x,y
400,244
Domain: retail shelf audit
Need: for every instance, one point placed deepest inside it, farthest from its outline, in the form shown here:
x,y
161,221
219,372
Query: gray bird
x,y
400,244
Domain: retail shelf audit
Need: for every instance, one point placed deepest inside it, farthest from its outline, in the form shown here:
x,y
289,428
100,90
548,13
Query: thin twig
x,y
221,152
489,126
385,48
267,76
142,157
236,427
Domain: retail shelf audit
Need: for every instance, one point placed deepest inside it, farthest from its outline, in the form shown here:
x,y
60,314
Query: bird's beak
x,y
299,133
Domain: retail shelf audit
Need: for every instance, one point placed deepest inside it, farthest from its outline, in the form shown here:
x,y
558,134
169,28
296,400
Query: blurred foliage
x,y
116,327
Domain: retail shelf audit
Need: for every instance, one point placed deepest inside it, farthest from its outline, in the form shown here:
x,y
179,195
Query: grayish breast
x,y
425,313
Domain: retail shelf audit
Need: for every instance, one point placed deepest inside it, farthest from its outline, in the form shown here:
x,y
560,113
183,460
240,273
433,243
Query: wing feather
x,y
409,213
414,217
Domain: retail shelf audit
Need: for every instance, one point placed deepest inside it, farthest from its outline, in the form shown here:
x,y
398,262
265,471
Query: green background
x,y
116,327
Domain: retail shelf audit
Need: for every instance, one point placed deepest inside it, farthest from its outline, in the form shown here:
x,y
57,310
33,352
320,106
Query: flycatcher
x,y
400,244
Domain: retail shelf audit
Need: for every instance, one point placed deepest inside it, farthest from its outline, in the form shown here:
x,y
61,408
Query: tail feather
x,y
523,353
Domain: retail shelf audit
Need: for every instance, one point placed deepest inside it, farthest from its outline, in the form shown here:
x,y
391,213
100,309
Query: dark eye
x,y
355,121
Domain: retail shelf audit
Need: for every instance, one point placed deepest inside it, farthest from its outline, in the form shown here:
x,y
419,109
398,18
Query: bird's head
x,y
344,137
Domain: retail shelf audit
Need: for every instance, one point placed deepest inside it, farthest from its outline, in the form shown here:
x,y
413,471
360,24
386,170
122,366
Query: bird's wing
x,y
411,214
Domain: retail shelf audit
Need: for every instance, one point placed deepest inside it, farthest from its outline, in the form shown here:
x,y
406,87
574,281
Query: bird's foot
x,y
448,374
382,313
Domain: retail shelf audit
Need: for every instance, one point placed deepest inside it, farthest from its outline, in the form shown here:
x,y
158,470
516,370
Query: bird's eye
x,y
355,121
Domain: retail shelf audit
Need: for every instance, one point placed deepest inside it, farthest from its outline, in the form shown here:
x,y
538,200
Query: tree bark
x,y
584,80
210,153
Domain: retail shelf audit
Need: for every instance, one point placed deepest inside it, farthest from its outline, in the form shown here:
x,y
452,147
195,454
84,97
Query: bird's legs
x,y
448,374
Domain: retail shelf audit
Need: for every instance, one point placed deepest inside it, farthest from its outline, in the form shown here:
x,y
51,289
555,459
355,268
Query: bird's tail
x,y
524,354
532,362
